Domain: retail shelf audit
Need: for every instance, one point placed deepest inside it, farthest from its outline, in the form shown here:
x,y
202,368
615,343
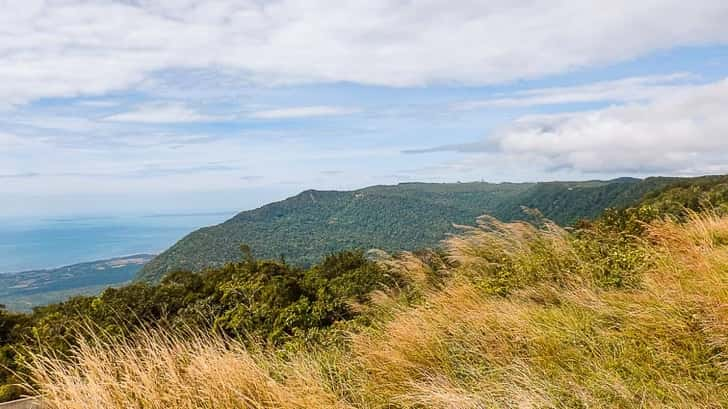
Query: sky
x,y
136,106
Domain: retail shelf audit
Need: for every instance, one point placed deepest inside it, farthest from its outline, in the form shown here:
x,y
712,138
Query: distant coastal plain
x,y
24,290
49,260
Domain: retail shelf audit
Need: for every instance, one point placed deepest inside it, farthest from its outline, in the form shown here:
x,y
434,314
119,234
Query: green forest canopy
x,y
408,216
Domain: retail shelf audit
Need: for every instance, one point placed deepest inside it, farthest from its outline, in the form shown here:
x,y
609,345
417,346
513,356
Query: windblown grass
x,y
158,370
513,316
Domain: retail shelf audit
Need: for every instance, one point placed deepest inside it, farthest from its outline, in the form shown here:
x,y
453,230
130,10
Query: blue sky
x,y
136,106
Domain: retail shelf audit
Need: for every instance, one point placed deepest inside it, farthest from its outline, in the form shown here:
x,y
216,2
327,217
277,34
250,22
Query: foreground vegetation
x,y
270,301
626,311
514,316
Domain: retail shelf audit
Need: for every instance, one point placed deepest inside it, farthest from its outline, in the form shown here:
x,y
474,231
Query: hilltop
x,y
304,228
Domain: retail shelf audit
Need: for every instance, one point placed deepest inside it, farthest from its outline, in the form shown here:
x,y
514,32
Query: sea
x,y
55,242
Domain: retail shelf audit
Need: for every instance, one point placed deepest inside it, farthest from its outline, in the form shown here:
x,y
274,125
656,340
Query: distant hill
x,y
693,194
407,216
25,290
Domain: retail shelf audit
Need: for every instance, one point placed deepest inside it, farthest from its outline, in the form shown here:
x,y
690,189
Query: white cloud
x,y
98,103
161,113
20,175
78,47
11,142
622,90
8,141
165,113
302,112
683,132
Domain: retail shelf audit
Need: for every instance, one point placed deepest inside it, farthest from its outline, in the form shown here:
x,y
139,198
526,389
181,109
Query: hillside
x,y
24,290
505,315
407,216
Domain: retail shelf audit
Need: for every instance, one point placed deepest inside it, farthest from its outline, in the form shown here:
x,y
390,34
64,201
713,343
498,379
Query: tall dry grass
x,y
519,319
161,370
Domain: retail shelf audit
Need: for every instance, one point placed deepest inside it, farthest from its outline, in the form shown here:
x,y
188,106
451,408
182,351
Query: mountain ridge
x,y
305,227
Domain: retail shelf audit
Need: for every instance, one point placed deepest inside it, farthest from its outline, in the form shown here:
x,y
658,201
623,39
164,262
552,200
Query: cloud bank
x,y
77,47
684,132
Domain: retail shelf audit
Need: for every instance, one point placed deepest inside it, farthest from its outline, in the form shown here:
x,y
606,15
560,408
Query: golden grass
x,y
158,370
548,336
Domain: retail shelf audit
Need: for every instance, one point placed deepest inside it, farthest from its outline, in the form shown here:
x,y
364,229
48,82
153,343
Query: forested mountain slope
x,y
407,216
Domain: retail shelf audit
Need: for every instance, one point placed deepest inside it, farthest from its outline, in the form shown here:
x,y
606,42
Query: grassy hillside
x,y
308,226
506,315
25,290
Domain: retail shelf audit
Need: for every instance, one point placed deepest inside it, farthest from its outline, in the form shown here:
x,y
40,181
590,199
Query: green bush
x,y
253,299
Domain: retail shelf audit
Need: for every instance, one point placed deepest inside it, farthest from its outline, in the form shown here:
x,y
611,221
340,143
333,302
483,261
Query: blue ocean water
x,y
37,244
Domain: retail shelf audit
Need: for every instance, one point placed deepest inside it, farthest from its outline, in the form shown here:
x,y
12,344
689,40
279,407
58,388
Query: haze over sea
x,y
54,242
